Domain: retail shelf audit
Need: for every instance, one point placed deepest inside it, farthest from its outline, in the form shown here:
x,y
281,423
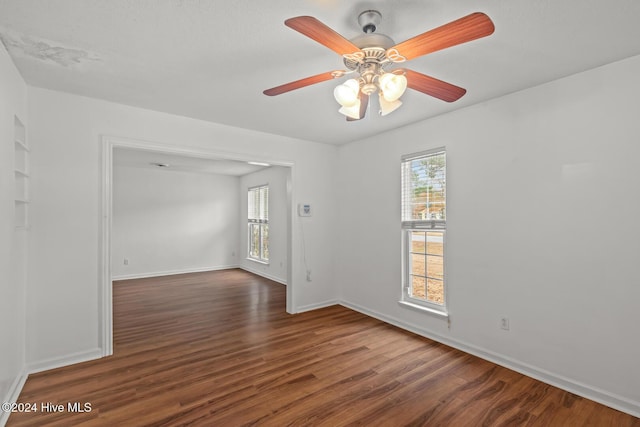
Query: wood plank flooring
x,y
218,349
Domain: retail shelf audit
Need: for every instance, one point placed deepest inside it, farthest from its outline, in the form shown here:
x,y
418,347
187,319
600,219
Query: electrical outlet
x,y
126,261
504,323
308,275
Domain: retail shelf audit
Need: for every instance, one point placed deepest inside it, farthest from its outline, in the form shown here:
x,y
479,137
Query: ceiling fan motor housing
x,y
373,45
371,62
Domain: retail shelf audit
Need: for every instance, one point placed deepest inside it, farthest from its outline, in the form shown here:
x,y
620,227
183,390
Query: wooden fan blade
x,y
460,31
318,78
432,86
316,30
364,103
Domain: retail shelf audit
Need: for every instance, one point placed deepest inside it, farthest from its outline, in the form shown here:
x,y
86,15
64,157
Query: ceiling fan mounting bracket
x,y
369,21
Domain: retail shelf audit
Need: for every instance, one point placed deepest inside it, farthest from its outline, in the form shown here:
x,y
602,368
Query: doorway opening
x,y
145,159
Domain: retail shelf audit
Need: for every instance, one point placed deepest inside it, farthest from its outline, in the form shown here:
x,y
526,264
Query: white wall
x,y
13,243
543,227
276,177
525,240
66,133
168,222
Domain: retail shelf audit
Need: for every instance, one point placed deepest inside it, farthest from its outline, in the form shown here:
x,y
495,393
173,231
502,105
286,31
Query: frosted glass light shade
x,y
347,93
387,107
392,86
353,111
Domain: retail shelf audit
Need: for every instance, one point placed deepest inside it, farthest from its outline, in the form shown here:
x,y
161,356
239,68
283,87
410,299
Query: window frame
x,y
408,226
260,223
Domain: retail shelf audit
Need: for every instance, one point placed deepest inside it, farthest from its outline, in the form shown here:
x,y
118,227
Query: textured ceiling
x,y
212,59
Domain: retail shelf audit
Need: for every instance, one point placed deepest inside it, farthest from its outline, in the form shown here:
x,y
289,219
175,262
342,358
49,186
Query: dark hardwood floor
x,y
218,349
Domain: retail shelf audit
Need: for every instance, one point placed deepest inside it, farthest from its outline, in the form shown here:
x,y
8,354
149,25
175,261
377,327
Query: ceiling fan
x,y
370,56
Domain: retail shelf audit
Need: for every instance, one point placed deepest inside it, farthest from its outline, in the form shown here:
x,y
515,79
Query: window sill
x,y
421,308
258,261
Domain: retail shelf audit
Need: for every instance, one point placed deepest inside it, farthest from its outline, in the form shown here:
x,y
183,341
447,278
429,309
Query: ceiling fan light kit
x,y
392,86
347,94
387,107
371,56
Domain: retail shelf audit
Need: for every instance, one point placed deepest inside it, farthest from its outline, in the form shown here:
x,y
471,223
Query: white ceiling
x,y
147,159
211,59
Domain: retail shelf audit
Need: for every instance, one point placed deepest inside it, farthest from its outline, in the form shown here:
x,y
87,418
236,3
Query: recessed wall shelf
x,y
20,141
21,174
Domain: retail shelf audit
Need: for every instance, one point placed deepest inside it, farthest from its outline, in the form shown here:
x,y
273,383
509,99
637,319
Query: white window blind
x,y
424,226
424,190
258,204
258,223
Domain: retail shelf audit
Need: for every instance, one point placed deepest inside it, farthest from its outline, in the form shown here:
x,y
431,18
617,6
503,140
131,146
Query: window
x,y
423,228
258,219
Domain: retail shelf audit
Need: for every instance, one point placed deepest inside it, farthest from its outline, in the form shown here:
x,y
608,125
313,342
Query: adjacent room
x,y
174,214
319,213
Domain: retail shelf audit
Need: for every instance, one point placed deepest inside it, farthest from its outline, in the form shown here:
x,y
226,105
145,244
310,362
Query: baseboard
x,y
593,393
263,274
172,272
59,362
317,306
13,395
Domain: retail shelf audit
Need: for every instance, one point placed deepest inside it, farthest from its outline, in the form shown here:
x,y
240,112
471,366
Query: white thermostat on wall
x,y
304,209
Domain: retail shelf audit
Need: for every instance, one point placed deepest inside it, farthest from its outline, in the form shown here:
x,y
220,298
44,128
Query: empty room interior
x,y
319,212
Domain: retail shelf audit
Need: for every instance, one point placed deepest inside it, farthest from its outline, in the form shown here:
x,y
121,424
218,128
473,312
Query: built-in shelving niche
x,y
21,173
